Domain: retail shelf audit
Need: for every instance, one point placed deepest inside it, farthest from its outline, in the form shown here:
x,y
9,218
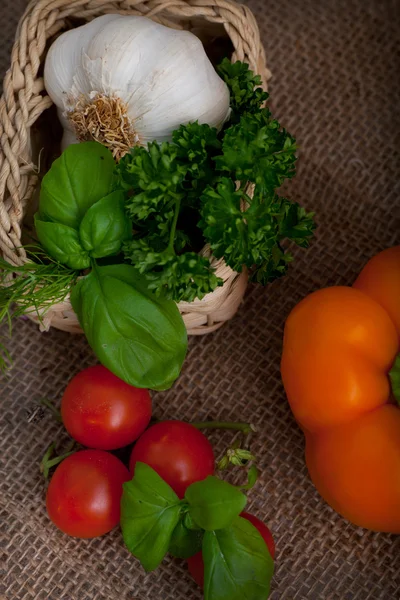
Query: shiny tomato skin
x,y
196,568
196,564
84,495
101,411
177,451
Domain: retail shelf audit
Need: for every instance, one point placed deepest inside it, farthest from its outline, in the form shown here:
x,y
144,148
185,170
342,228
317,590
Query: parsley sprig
x,y
212,173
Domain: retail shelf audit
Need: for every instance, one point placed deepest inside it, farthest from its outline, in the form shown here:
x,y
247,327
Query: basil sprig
x,y
82,219
237,563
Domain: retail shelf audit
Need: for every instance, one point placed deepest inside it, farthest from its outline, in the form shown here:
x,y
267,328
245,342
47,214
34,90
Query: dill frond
x,y
31,288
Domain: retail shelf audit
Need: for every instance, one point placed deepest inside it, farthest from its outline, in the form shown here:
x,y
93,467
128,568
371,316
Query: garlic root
x,y
104,120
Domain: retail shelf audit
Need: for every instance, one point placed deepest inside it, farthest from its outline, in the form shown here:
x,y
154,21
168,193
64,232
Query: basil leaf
x,y
237,563
106,226
149,514
213,503
82,175
189,523
185,542
140,338
62,243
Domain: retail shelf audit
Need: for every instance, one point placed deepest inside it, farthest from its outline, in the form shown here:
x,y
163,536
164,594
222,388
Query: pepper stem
x,y
243,427
394,376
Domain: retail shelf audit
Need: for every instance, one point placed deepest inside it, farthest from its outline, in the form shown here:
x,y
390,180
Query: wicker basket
x,y
25,99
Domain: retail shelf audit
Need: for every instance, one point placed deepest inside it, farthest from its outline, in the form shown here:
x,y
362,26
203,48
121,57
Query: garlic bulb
x,y
126,80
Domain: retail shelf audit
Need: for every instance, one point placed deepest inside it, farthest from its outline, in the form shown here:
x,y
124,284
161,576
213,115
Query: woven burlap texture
x,y
25,99
336,87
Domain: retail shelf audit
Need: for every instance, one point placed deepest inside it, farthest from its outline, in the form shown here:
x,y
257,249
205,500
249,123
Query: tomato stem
x,y
252,476
48,462
54,410
394,376
243,427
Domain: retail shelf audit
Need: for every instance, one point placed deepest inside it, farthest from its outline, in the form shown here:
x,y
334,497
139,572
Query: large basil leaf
x,y
106,226
213,503
82,175
62,243
185,542
140,338
237,563
149,514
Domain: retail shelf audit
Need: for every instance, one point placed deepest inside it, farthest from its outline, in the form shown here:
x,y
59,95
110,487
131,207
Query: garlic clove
x,y
179,99
122,53
64,76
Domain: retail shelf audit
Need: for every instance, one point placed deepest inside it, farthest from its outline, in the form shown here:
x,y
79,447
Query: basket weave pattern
x,y
24,100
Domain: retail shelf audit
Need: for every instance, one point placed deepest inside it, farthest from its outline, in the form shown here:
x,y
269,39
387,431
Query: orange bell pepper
x,y
341,372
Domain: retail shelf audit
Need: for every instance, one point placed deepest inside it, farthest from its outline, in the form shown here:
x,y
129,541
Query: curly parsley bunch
x,y
221,185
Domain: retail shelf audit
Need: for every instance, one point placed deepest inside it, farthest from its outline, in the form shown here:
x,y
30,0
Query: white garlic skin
x,y
163,75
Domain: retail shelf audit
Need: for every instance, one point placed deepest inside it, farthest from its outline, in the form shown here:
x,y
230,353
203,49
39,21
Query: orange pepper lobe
x,y
338,347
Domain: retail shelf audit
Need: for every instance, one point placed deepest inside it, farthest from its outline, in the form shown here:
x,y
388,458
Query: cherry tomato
x,y
99,410
84,494
177,451
196,564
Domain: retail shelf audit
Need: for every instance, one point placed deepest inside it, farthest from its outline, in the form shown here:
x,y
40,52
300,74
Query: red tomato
x,y
101,411
177,451
84,494
196,564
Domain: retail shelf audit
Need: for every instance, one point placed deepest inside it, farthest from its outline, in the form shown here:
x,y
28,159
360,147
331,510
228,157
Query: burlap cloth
x,y
336,87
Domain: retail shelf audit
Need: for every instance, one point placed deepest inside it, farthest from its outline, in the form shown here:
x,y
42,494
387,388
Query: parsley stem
x,y
173,227
243,427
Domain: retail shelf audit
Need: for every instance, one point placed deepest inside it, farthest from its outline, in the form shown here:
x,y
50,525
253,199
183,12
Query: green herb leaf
x,y
149,514
294,222
82,175
237,563
245,93
31,288
253,238
155,175
176,277
223,223
62,243
257,149
185,542
213,503
140,338
106,226
189,523
194,143
196,175
195,146
183,277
